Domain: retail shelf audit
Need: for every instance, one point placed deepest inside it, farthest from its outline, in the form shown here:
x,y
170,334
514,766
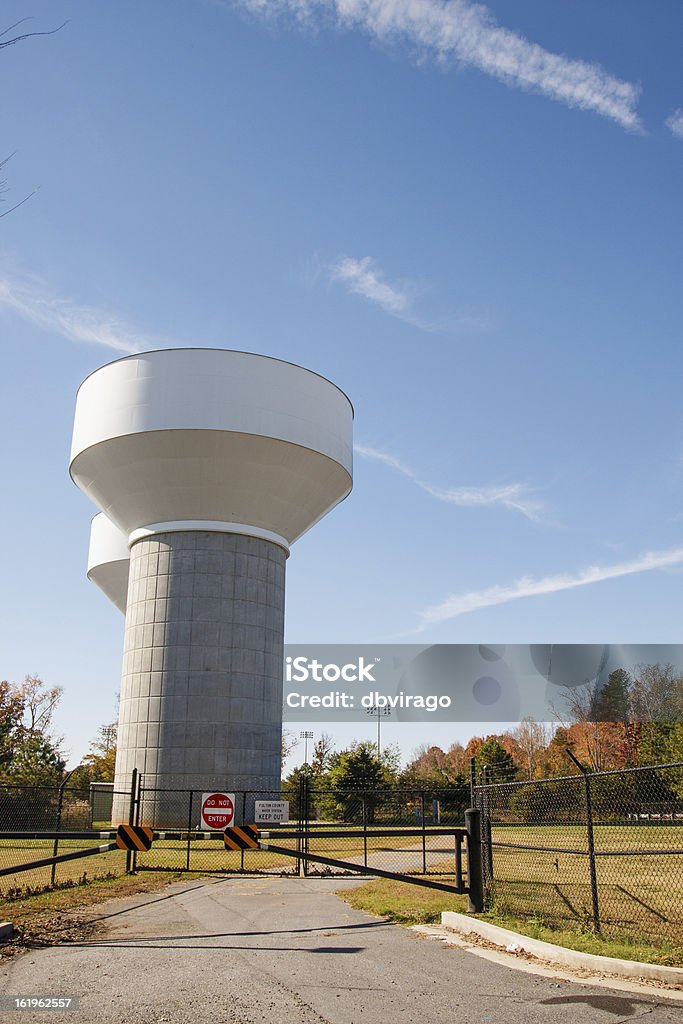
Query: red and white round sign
x,y
218,810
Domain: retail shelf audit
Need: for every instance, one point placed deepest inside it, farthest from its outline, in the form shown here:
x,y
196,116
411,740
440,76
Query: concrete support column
x,y
201,690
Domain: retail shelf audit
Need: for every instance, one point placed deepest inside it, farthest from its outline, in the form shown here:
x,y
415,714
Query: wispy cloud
x,y
675,123
461,604
33,300
467,33
512,496
364,277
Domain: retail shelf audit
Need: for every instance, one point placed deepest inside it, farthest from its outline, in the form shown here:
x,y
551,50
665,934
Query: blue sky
x,y
468,217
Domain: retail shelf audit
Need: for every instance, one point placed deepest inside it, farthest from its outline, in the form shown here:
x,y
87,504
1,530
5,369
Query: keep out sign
x,y
218,810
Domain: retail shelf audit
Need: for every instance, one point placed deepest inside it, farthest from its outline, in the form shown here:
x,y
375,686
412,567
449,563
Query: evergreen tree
x,y
500,764
357,778
612,700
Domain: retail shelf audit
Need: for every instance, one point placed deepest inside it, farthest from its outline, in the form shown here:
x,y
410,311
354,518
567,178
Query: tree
x,y
322,755
39,704
613,698
557,762
99,763
657,694
500,764
11,712
29,753
601,713
660,743
36,762
531,738
431,768
289,742
458,761
357,777
4,42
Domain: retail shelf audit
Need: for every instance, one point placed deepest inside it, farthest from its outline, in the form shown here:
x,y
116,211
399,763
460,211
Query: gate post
x,y
189,830
244,821
475,878
307,817
131,814
300,823
138,801
365,832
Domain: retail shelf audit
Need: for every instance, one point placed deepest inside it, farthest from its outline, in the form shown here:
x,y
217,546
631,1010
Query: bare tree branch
x,y
27,35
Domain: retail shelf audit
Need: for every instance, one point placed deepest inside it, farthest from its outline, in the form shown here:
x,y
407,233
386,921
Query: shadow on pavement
x,y
620,1006
170,945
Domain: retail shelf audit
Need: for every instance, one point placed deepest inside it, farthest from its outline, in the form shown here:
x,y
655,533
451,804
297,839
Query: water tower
x,y
109,560
209,464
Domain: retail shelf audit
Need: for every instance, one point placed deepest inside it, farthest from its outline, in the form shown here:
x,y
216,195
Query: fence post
x,y
473,782
487,838
475,879
58,823
307,815
138,801
365,833
424,833
189,829
458,861
244,819
299,824
131,814
591,841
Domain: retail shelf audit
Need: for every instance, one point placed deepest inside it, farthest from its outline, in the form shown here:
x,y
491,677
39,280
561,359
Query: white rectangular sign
x,y
271,811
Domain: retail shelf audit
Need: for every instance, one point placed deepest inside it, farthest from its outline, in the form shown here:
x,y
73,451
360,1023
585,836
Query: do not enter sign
x,y
218,810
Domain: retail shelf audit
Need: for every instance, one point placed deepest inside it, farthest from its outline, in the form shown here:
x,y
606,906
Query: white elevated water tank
x,y
109,560
210,463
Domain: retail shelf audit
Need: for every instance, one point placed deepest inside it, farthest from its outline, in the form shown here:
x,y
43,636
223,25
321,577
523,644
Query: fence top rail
x,y
577,777
43,789
320,791
359,833
528,782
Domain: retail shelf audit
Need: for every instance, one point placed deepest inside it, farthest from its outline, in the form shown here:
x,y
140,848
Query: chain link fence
x,y
366,814
33,809
185,845
597,851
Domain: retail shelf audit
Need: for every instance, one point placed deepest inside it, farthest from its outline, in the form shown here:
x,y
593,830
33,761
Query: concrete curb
x,y
6,931
559,954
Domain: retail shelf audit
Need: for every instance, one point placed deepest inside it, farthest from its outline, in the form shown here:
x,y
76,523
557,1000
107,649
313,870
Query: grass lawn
x,y
640,894
407,904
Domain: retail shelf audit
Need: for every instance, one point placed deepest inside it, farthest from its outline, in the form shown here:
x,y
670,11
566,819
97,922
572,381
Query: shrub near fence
x,y
601,851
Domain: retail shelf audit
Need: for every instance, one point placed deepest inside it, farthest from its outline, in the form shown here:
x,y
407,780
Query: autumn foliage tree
x,y
29,752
